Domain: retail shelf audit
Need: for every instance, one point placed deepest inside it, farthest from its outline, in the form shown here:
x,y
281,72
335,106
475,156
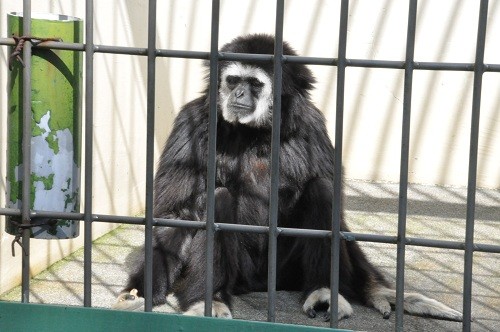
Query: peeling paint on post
x,y
56,87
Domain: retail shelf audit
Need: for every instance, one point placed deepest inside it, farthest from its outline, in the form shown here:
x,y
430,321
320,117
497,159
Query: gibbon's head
x,y
245,87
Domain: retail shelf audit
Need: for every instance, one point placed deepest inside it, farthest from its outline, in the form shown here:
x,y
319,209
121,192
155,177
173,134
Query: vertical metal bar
x,y
471,186
150,124
337,179
403,176
89,143
26,147
211,166
275,162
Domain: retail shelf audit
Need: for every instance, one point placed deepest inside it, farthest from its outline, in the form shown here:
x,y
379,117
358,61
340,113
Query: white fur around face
x,y
262,114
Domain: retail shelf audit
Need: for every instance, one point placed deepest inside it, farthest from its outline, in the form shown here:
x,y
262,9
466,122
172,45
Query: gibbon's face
x,y
246,95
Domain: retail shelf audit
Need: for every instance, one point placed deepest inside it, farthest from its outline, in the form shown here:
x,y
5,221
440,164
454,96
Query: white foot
x,y
219,310
322,296
414,303
129,301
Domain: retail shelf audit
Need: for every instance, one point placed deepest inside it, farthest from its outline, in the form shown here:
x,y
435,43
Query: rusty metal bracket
x,y
35,222
16,54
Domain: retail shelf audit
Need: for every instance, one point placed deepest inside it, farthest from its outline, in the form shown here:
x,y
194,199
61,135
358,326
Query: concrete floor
x,y
433,212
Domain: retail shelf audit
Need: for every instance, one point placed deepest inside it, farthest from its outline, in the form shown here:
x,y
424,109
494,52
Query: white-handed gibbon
x,y
245,105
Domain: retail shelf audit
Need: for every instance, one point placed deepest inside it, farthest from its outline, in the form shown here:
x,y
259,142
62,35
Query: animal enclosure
x,y
409,67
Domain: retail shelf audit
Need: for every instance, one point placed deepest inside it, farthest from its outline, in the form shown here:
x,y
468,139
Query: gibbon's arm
x,y
180,182
307,151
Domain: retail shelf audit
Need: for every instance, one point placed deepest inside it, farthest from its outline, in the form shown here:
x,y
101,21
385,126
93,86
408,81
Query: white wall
x,y
441,107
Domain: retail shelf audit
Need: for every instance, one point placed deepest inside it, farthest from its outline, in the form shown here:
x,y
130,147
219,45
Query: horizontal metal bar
x,y
492,68
10,212
223,56
296,232
282,231
452,66
310,60
491,248
179,223
365,63
435,243
7,41
183,54
124,50
245,57
350,236
242,228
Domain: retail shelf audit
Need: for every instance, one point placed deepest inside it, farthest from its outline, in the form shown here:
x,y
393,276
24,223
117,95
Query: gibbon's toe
x,y
322,296
219,309
173,302
129,301
380,302
414,303
345,309
453,315
311,313
419,304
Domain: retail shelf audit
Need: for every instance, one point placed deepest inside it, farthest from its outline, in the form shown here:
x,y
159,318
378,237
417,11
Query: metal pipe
x,y
150,128
403,176
283,231
275,162
89,147
337,212
224,56
26,147
319,61
212,154
305,60
471,186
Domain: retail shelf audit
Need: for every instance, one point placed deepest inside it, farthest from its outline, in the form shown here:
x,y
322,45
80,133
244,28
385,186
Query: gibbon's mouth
x,y
241,106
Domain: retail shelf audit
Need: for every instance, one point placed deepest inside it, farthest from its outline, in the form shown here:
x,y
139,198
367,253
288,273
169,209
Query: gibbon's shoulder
x,y
190,124
194,114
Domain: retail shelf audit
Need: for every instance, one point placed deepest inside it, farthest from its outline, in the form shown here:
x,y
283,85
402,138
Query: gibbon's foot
x,y
414,303
421,305
129,301
173,302
322,297
219,309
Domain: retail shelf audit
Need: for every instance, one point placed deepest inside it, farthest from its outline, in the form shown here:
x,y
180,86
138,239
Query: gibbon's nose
x,y
240,91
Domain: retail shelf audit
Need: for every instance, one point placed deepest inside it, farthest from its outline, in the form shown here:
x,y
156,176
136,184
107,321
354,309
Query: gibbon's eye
x,y
255,83
232,80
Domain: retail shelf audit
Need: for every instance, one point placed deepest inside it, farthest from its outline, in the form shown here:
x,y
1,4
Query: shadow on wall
x,y
439,148
383,137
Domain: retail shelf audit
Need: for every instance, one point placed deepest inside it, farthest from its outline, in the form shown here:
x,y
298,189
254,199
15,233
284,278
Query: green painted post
x,y
56,87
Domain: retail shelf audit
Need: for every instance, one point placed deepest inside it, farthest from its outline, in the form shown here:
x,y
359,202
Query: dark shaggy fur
x,y
242,197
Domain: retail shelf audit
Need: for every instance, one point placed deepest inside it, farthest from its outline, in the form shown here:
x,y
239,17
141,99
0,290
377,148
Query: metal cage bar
x,y
283,231
403,176
275,154
474,142
319,61
211,167
273,231
26,147
337,178
150,123
89,148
